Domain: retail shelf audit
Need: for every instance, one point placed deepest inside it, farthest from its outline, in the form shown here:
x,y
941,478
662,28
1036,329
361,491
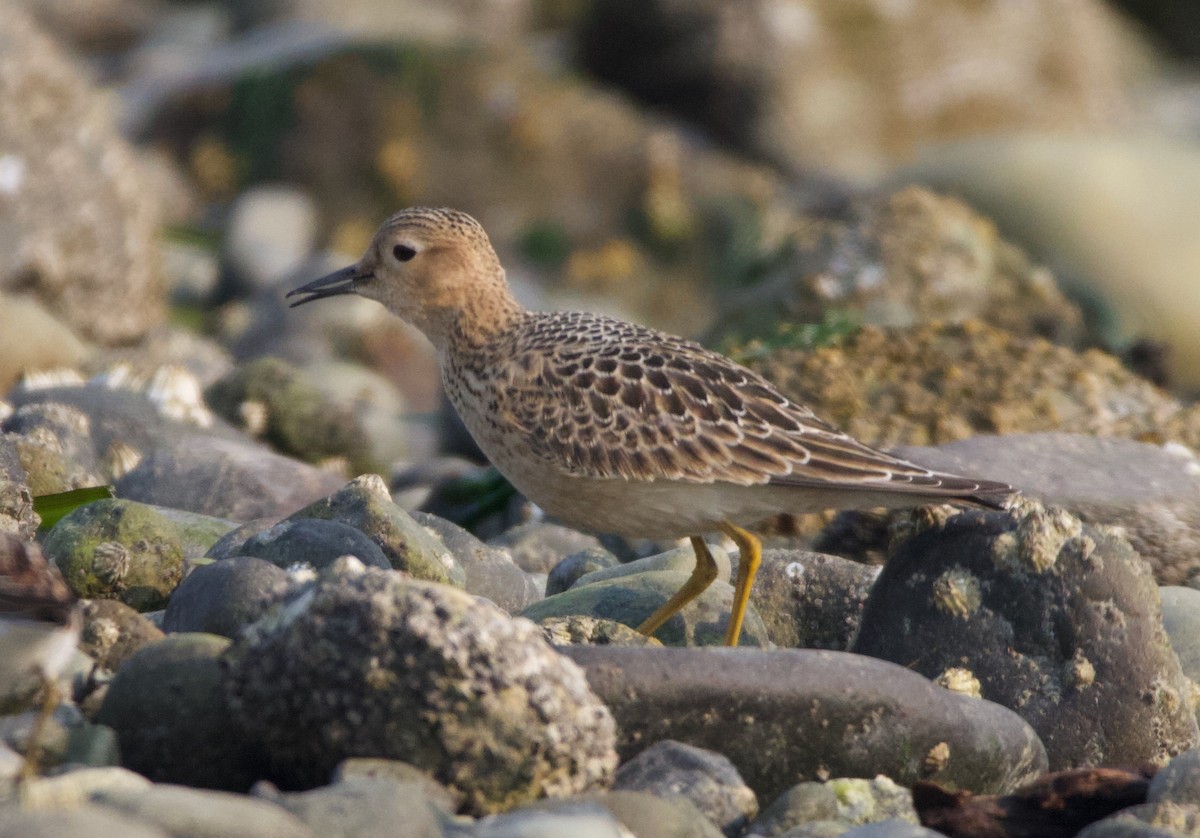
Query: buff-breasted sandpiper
x,y
614,427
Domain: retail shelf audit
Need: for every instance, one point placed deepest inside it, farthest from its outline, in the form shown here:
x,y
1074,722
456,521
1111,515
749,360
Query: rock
x,y
490,571
891,828
923,385
564,574
1055,619
813,88
16,500
818,713
367,807
706,778
172,720
898,259
1075,200
803,803
399,772
1180,615
1178,781
648,815
313,543
581,630
33,340
277,402
186,811
91,820
631,599
538,547
679,560
224,596
54,445
479,499
392,428
270,233
118,549
580,819
229,545
224,478
77,226
329,675
364,503
811,600
75,787
113,632
1151,492
1149,820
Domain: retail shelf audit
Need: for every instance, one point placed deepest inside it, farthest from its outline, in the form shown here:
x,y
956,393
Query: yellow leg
x,y
702,576
33,750
749,558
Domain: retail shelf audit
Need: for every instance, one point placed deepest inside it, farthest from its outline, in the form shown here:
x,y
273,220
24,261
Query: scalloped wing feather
x,y
639,404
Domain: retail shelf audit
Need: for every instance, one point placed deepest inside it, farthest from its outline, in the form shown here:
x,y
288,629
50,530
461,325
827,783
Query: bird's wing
x,y
607,399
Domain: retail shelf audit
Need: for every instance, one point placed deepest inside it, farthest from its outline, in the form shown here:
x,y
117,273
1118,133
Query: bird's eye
x,y
403,252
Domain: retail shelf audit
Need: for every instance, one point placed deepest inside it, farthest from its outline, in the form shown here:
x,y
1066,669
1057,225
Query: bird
x,y
40,624
615,427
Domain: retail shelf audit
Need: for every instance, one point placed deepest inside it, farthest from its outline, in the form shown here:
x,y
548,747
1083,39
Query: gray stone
x,y
16,500
77,225
811,600
113,632
891,828
32,339
172,720
706,778
681,560
1152,492
577,818
647,816
490,571
224,478
224,596
801,804
85,820
202,813
569,570
1055,619
1148,820
277,402
493,711
631,599
118,549
1181,620
367,808
313,543
815,712
364,503
1178,781
54,446
537,547
400,772
580,629
230,544
270,233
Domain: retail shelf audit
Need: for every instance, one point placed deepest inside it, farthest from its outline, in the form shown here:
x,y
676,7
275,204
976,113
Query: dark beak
x,y
336,284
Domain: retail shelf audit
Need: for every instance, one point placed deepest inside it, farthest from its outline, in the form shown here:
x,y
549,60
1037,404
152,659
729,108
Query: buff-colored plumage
x,y
615,427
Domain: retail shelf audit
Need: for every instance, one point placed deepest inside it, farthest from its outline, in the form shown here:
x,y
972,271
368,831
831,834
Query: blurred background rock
x,y
771,176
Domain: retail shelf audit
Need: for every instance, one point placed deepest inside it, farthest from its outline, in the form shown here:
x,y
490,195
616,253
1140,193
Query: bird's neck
x,y
479,320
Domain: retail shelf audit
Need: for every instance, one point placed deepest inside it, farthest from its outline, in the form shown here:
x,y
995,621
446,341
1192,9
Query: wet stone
x,y
1055,619
365,504
113,632
177,683
811,600
706,778
490,571
564,574
312,543
538,547
224,596
118,549
324,677
819,713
